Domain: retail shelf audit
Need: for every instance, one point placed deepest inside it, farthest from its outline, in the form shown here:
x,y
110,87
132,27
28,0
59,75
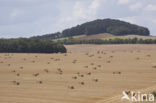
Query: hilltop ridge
x,y
112,26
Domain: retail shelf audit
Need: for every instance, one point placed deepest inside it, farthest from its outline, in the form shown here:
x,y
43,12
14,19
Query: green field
x,y
66,38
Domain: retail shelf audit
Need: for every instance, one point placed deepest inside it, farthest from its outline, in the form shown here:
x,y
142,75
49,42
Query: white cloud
x,y
123,1
151,7
16,13
135,6
79,11
82,11
154,21
129,19
95,4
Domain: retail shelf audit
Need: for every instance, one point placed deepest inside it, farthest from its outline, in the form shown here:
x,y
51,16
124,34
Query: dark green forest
x,y
24,45
112,26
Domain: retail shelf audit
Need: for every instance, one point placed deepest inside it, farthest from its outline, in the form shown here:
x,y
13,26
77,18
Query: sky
x,y
26,18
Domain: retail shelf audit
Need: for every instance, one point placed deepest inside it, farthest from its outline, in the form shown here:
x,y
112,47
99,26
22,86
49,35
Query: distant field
x,y
86,74
109,47
130,37
97,36
85,37
66,38
105,36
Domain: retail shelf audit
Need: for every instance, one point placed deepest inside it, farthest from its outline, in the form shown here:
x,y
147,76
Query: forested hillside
x,y
112,26
115,27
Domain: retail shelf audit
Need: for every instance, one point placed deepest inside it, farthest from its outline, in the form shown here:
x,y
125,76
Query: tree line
x,y
25,45
110,41
48,36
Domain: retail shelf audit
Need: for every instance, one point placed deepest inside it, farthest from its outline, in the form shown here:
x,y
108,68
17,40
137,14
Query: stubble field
x,y
86,74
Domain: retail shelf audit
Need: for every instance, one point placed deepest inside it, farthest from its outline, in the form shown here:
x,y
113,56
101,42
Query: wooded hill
x,y
112,26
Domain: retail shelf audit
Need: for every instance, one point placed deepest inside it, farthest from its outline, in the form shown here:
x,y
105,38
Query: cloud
x,y
95,4
78,13
123,1
129,19
16,13
151,7
83,11
136,6
154,21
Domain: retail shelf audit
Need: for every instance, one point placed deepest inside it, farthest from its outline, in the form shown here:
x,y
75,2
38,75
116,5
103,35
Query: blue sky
x,y
25,18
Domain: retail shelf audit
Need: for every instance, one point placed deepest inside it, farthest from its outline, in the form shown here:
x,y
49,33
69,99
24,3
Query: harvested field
x,y
110,47
86,74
